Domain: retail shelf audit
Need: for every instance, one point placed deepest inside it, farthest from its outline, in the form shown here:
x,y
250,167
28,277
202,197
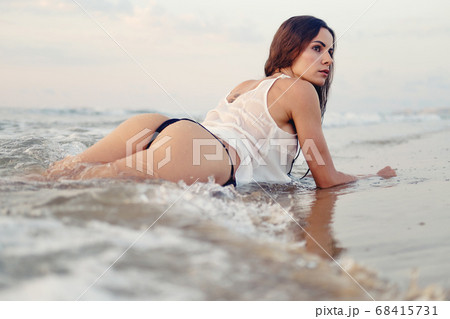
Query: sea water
x,y
155,240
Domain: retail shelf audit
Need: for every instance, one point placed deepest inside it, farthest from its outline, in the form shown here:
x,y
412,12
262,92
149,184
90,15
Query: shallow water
x,y
154,240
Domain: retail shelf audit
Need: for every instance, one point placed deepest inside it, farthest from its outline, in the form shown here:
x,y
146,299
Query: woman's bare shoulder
x,y
295,87
246,85
293,92
241,89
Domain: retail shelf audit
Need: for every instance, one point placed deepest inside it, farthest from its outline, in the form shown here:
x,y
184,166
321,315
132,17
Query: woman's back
x,y
244,122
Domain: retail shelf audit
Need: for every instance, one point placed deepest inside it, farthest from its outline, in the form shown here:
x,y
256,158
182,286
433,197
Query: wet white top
x,y
265,150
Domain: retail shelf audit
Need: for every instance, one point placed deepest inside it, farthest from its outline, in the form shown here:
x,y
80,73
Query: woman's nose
x,y
327,59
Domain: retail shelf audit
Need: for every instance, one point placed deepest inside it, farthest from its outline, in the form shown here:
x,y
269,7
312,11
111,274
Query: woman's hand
x,y
387,172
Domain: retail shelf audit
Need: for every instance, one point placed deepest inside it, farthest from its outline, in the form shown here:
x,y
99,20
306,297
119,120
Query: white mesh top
x,y
265,150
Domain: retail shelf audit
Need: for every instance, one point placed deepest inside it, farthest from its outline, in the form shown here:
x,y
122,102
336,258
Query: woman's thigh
x,y
182,151
129,137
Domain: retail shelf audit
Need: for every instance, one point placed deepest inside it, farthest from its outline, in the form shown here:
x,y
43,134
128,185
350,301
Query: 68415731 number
x,y
406,310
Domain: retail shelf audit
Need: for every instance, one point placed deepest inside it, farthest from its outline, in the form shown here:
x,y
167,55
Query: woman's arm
x,y
305,112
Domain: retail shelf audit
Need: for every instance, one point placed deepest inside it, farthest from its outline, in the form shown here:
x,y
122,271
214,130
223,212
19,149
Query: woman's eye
x,y
316,48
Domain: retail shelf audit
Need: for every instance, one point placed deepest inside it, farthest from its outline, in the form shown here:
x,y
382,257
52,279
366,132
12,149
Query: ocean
x,y
376,239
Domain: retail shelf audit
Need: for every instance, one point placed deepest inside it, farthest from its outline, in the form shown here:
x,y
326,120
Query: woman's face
x,y
313,64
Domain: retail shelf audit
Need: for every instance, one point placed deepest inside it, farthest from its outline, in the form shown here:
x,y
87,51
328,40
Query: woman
x,y
251,136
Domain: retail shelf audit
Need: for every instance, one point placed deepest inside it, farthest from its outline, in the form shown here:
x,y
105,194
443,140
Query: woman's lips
x,y
325,72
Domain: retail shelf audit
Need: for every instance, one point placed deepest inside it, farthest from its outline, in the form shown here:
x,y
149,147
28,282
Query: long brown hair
x,y
289,41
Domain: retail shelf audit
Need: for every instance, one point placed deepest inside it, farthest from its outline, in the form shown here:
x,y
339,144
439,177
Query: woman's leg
x,y
128,138
182,151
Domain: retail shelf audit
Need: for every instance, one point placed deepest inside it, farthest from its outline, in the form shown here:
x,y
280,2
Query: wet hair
x,y
289,41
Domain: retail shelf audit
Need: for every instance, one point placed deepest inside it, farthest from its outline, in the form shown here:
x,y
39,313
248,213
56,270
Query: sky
x,y
175,56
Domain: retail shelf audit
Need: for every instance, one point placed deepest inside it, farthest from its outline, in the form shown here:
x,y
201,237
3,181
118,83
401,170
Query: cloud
x,y
111,7
108,6
39,7
35,54
205,26
146,17
154,16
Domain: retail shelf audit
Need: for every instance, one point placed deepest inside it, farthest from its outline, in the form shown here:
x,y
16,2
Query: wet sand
x,y
397,227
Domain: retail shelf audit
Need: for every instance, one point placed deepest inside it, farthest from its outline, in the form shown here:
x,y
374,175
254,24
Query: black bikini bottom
x,y
231,180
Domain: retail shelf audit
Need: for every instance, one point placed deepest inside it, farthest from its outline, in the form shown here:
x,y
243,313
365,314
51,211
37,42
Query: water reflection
x,y
311,210
319,233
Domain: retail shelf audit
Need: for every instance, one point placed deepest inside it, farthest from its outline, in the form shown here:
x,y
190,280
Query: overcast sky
x,y
52,54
